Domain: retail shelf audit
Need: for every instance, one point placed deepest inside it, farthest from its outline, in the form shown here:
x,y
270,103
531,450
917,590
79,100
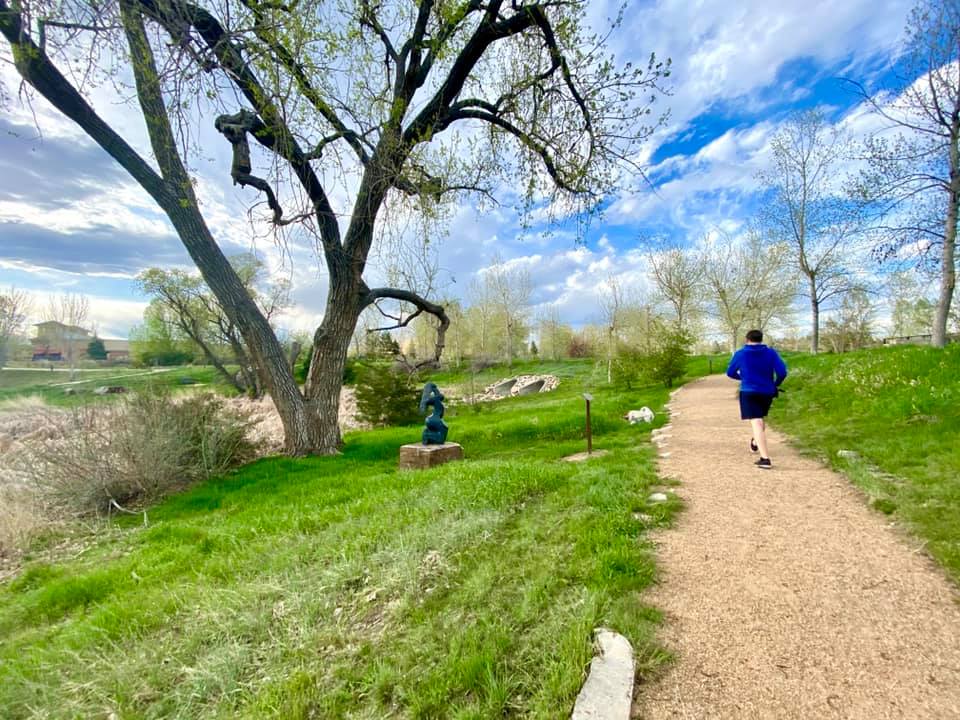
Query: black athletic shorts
x,y
754,405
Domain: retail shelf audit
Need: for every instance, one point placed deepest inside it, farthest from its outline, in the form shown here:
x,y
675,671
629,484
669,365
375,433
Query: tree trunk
x,y
815,316
948,268
266,352
330,345
217,365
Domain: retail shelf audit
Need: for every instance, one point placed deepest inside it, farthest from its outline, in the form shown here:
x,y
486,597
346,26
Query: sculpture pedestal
x,y
417,456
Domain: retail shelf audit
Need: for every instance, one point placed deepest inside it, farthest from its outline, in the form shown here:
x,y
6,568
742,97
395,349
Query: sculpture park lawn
x,y
341,587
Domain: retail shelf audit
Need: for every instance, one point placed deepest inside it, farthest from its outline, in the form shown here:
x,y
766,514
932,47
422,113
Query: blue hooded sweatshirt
x,y
758,368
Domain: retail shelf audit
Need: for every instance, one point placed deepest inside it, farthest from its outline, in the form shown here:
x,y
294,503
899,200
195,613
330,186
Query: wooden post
x,y
588,397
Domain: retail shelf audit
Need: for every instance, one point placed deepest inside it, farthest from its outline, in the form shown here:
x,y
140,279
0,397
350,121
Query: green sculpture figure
x,y
435,430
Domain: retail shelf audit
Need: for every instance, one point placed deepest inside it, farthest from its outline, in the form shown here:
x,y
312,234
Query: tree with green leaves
x,y
158,340
185,301
396,104
912,177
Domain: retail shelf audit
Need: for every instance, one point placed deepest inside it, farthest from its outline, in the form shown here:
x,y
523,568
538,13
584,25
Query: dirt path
x,y
785,595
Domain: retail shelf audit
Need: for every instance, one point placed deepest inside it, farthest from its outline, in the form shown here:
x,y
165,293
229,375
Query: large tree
x,y
913,173
748,282
370,95
677,275
807,208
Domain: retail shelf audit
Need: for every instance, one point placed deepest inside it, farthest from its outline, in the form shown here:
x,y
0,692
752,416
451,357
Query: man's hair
x,y
755,336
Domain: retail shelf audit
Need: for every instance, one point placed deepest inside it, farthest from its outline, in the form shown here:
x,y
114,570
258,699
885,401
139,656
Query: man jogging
x,y
760,371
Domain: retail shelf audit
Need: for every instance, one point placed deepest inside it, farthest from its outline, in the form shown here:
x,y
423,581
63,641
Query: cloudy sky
x,y
72,221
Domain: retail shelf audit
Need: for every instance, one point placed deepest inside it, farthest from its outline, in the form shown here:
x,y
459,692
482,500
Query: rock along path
x,y
784,595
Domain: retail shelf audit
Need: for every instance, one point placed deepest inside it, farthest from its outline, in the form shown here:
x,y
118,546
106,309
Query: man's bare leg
x,y
760,435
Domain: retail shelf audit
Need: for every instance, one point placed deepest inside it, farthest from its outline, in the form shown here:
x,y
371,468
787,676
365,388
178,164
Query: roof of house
x,y
62,328
114,345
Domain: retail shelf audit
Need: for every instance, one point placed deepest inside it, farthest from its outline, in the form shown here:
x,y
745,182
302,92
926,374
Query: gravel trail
x,y
785,596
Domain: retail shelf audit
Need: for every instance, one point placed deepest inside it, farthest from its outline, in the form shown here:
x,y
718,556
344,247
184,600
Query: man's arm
x,y
733,369
779,368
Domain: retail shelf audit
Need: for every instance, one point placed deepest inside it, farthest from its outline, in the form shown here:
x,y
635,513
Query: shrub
x,y
631,368
302,367
19,520
579,347
386,396
482,363
163,358
135,450
668,361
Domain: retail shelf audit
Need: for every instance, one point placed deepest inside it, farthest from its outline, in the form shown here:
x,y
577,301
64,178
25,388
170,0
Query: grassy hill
x,y
341,587
898,410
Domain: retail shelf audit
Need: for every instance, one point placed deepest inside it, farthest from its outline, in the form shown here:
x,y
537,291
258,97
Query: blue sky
x,y
71,221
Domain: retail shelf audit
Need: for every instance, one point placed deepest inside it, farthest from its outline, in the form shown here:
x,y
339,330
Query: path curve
x,y
784,595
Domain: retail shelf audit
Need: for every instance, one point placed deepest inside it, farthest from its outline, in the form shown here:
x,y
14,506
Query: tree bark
x,y
948,268
815,316
330,344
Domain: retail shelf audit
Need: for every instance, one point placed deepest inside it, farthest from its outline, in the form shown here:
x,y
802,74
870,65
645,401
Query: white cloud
x,y
722,51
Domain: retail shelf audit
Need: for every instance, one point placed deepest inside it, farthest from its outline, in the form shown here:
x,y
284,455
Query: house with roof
x,y
57,341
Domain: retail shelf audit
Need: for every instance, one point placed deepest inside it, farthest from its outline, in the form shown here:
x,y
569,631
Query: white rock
x,y
658,497
608,691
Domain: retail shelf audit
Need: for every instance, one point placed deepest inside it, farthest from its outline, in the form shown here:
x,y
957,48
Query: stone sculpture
x,y
435,429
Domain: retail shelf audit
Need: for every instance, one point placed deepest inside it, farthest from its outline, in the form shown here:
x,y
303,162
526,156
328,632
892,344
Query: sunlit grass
x,y
899,410
52,387
341,587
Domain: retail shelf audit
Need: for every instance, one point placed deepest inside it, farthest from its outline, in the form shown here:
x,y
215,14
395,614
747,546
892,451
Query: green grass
x,y
340,587
17,382
898,408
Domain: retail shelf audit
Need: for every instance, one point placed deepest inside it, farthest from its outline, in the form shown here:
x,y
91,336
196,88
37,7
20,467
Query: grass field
x,y
898,409
340,587
51,386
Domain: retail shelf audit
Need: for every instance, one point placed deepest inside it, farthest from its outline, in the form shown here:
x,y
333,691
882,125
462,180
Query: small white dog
x,y
635,416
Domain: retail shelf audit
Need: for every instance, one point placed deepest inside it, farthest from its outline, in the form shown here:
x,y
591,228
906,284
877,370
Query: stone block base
x,y
417,456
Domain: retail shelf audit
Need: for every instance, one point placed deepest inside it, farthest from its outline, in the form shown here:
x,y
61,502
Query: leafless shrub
x,y
136,450
19,519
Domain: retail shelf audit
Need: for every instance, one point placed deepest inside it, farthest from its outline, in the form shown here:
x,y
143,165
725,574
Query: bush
x,y
631,368
386,396
302,367
163,358
579,347
668,361
136,450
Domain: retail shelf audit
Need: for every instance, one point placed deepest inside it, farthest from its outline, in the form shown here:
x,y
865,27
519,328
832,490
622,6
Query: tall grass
x,y
898,409
342,587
